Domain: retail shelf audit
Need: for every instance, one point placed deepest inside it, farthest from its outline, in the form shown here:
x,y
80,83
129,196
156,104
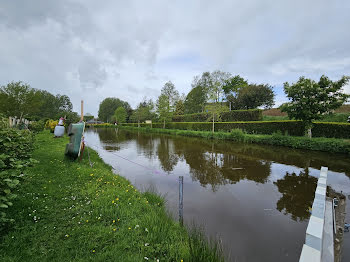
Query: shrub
x,y
235,115
37,126
15,152
51,124
331,129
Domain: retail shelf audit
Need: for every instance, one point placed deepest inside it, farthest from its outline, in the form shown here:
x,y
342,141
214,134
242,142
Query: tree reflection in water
x,y
298,193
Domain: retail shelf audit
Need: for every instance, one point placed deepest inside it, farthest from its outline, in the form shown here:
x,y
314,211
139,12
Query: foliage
x,y
232,85
144,111
333,129
51,124
88,117
166,102
92,214
226,116
120,115
310,100
195,100
4,122
180,107
15,155
218,80
277,139
339,117
171,93
19,99
109,105
290,127
163,109
253,96
37,126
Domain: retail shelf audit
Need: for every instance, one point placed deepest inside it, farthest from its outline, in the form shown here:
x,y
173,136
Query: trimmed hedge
x,y
290,127
331,129
319,143
235,115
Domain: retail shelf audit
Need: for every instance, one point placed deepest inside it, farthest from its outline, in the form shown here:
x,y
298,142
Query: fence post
x,y
181,204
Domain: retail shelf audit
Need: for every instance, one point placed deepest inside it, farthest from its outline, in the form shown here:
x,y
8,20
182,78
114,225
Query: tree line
x,y
211,92
18,99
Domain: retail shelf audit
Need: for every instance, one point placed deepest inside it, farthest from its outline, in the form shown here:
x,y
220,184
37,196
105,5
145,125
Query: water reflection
x,y
298,193
239,191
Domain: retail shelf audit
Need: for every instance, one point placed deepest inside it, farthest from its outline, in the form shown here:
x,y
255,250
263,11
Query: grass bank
x,y
318,143
68,211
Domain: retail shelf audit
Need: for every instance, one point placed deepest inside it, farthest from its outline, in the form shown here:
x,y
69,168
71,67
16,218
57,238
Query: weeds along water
x,y
68,211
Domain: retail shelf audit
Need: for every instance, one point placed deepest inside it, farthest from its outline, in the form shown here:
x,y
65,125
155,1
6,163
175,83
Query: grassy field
x,y
68,211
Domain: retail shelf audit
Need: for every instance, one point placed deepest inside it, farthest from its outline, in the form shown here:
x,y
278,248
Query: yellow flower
x,y
114,229
87,221
113,202
93,251
113,221
91,174
117,199
182,260
129,228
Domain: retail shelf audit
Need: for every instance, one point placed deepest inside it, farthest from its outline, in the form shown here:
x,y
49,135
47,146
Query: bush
x,y
51,124
235,115
276,139
286,127
331,129
15,152
37,126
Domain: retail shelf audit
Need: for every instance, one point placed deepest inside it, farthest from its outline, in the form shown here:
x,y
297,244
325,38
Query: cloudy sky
x,y
128,49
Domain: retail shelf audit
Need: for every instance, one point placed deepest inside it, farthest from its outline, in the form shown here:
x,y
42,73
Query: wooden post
x,y
82,111
181,203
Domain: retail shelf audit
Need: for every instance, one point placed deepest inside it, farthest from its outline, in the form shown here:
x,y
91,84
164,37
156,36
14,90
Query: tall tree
x,y
180,106
166,102
231,87
196,99
253,96
144,111
170,91
164,109
310,100
19,99
120,114
108,107
218,80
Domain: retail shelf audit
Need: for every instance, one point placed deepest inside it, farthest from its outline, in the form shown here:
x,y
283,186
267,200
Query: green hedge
x,y
235,115
290,127
331,129
319,143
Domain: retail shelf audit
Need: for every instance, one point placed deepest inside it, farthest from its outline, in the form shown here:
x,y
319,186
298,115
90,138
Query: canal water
x,y
255,198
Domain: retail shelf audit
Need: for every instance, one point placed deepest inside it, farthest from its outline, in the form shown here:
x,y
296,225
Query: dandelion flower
x,y
93,251
112,201
129,228
114,229
87,221
113,221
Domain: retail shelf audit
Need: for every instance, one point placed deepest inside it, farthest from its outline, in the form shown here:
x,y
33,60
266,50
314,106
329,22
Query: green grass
x,y
318,143
68,211
337,117
274,118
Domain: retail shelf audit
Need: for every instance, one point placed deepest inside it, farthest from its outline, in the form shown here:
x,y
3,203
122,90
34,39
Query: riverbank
x,y
332,145
68,211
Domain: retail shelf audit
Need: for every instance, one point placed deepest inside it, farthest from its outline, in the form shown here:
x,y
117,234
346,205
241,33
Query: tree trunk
x,y
309,133
213,123
164,124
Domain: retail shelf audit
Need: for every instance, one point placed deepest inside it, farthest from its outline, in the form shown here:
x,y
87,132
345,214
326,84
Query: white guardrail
x,y
312,249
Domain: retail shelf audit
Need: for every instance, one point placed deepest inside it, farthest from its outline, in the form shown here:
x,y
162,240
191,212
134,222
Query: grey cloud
x,y
93,49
